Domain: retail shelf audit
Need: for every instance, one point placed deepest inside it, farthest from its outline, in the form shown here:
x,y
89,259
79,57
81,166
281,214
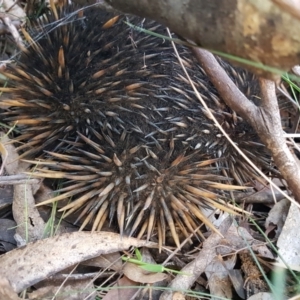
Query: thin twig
x,y
17,179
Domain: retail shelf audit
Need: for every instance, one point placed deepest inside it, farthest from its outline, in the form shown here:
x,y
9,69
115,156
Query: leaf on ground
x,y
111,261
7,232
119,293
44,193
222,275
6,196
137,274
70,290
218,279
237,281
277,216
220,285
262,296
6,291
25,266
15,11
4,155
178,296
199,264
290,235
12,157
235,240
30,225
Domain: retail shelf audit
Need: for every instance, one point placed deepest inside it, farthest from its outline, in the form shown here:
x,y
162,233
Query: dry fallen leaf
x,y
199,264
290,236
220,285
70,290
7,231
237,281
25,266
11,155
13,9
218,279
30,225
178,296
235,239
137,274
262,296
6,291
111,261
119,293
6,196
4,155
277,216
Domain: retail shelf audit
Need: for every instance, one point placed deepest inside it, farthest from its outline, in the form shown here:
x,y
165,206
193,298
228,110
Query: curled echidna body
x,y
119,121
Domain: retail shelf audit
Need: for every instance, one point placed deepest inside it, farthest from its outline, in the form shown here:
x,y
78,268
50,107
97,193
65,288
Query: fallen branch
x,y
17,179
265,118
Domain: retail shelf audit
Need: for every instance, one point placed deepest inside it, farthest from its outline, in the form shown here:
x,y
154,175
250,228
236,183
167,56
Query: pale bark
x,y
259,31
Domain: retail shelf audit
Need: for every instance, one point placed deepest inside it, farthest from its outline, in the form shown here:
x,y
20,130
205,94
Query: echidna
x,y
116,117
